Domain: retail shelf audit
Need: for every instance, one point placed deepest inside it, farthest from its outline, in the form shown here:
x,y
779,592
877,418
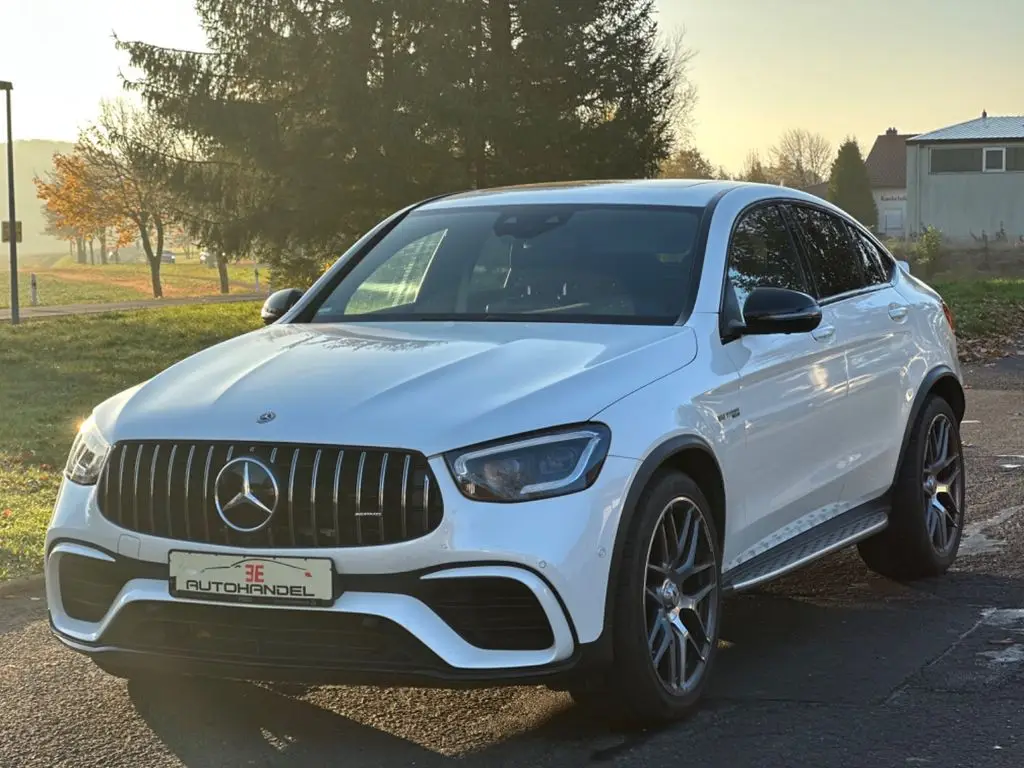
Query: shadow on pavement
x,y
777,649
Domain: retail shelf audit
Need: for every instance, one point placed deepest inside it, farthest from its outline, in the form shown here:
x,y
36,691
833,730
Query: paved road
x,y
830,667
28,313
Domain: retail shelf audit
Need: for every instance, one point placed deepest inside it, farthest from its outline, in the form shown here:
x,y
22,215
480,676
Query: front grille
x,y
244,635
88,586
496,614
328,496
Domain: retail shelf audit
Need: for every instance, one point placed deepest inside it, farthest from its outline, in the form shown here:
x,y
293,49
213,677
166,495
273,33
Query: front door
x,y
793,394
852,278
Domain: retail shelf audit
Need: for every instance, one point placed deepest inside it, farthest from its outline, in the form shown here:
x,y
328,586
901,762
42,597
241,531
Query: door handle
x,y
897,311
823,333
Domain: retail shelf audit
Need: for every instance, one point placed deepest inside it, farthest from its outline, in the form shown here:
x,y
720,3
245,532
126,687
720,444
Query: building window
x,y
1015,158
959,160
995,159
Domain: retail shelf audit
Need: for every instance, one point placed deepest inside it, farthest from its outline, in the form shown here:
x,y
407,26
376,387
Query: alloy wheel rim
x,y
942,484
679,596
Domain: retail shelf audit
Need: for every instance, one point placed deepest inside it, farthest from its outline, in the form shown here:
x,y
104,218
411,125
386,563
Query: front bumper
x,y
498,592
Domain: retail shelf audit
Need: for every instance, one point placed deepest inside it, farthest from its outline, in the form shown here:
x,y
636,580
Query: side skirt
x,y
841,531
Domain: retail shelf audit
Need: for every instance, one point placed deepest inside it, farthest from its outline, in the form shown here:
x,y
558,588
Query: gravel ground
x,y
829,667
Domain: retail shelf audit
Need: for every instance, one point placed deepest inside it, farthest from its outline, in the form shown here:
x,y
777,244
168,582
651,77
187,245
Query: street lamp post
x,y
6,87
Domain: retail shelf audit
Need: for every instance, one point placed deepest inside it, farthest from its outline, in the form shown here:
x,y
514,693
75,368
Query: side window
x,y
876,264
835,264
762,253
397,281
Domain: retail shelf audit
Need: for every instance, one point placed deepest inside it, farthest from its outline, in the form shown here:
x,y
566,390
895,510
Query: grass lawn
x,y
52,373
989,314
86,284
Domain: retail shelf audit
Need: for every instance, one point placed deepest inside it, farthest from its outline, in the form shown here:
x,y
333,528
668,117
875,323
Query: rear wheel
x,y
667,607
927,518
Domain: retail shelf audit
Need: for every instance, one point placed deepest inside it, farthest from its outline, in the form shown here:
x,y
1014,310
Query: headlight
x,y
523,469
88,452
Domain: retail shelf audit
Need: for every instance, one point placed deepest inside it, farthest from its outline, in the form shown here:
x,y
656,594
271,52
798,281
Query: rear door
x,y
793,393
870,320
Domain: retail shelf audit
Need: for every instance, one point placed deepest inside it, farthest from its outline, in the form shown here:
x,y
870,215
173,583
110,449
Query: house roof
x,y
984,128
820,189
887,160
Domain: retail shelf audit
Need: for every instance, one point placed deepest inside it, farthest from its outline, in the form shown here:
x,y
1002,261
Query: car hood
x,y
422,386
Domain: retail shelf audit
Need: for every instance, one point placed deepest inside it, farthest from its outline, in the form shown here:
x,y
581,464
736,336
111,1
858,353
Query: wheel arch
x,y
686,453
941,381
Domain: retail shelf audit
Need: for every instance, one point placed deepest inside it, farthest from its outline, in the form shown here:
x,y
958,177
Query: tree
x,y
849,186
687,163
754,170
801,158
79,207
313,120
128,148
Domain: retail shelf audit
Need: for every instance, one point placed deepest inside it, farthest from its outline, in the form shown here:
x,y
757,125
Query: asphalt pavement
x,y
831,666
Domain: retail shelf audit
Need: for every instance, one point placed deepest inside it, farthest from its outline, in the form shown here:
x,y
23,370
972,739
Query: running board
x,y
839,532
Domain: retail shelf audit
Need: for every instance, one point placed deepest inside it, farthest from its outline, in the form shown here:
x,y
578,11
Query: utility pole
x,y
7,87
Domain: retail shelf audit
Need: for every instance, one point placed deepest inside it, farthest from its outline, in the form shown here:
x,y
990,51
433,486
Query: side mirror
x,y
904,265
278,303
779,310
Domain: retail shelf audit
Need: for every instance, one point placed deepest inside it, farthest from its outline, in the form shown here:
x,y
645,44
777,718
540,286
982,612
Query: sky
x,y
835,67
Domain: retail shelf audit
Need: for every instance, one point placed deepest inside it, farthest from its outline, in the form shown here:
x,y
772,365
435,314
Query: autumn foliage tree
x,y
78,205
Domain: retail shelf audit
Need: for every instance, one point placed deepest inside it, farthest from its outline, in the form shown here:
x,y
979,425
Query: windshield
x,y
552,263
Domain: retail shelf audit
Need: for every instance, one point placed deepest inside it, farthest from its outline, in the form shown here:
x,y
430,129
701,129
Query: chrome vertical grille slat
x,y
135,497
176,499
334,496
152,487
380,495
188,487
206,492
312,499
426,501
170,489
291,495
405,495
359,498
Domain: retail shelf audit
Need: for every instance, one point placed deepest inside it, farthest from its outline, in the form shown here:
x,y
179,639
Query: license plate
x,y
251,579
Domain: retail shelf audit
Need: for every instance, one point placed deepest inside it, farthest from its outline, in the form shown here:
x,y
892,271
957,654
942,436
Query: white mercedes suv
x,y
532,434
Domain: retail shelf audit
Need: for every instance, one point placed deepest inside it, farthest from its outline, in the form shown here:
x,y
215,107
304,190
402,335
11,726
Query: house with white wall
x,y
967,180
887,170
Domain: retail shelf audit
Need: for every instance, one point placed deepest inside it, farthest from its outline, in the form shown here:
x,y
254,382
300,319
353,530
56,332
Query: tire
x,y
912,546
634,689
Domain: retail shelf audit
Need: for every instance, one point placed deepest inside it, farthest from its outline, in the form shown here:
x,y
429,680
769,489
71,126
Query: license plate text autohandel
x,y
263,579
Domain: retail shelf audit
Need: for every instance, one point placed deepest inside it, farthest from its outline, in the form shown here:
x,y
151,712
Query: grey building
x,y
968,179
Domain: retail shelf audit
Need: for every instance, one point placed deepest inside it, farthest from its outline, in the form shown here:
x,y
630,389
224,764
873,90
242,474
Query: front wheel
x,y
929,501
667,607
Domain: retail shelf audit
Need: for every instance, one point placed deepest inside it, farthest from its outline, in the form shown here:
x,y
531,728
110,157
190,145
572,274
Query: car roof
x,y
675,192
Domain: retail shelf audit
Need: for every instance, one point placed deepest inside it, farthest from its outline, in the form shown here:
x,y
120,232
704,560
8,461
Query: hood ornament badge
x,y
266,417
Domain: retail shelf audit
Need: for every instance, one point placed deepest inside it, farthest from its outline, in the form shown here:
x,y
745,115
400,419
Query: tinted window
x,y
874,263
835,265
569,263
956,160
762,253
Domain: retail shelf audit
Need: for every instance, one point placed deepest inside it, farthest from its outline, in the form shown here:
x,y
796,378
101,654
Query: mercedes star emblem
x,y
251,491
266,417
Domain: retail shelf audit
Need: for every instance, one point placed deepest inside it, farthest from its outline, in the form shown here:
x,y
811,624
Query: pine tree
x,y
849,186
313,120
